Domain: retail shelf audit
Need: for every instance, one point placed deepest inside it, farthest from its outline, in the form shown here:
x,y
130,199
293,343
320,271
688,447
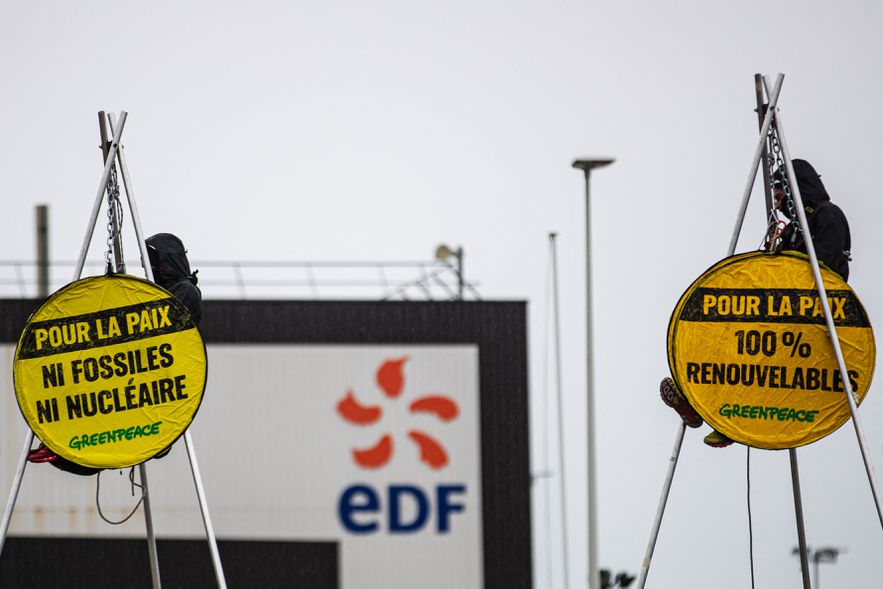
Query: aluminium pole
x,y
99,197
16,487
152,552
133,206
663,499
560,400
78,271
666,487
829,320
798,510
203,505
768,193
792,452
116,236
191,453
148,522
594,578
746,195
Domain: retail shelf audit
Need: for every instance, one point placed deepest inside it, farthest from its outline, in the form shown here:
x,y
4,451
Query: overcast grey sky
x,y
349,130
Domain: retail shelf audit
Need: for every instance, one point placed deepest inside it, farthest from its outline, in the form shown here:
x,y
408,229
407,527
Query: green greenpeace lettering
x,y
770,413
114,436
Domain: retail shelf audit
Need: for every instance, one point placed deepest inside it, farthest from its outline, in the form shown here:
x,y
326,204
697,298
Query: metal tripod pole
x,y
119,259
768,193
743,207
78,271
746,195
792,452
829,320
133,207
120,266
798,510
669,477
206,518
16,486
191,453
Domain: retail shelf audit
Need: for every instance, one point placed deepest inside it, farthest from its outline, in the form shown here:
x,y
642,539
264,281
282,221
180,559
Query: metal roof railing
x,y
400,280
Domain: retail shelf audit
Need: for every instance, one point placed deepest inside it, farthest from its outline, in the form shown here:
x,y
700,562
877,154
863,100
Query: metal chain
x,y
772,237
777,164
114,216
786,184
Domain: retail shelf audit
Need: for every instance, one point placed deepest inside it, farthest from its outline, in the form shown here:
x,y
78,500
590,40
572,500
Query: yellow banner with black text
x,y
748,346
109,371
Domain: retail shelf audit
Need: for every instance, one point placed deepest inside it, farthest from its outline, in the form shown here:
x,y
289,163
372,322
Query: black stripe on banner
x,y
108,327
784,305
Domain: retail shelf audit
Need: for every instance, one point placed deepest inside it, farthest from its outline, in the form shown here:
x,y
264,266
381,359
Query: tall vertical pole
x,y
560,400
459,254
99,197
594,579
152,553
119,261
42,251
798,510
188,441
133,206
752,176
792,452
768,193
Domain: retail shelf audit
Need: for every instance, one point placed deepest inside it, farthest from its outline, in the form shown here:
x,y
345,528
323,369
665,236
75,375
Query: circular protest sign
x,y
748,346
109,371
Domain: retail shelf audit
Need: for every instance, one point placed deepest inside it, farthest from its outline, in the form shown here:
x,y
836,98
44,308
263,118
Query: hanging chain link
x,y
114,216
776,226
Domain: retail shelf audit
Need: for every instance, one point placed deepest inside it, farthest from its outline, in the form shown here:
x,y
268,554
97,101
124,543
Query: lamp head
x,y
589,164
443,252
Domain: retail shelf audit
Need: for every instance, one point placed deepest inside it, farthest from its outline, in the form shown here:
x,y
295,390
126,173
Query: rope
x,y
748,493
134,509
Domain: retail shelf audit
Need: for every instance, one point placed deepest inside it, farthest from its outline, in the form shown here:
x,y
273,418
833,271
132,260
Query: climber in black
x,y
827,223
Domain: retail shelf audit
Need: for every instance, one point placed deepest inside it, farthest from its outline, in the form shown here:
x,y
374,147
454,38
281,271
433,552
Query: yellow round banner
x,y
109,371
748,346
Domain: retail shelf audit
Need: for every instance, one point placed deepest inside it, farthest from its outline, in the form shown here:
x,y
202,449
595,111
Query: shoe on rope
x,y
675,399
717,440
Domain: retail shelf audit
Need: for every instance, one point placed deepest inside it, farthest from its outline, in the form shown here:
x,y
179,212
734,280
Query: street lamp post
x,y
818,556
587,165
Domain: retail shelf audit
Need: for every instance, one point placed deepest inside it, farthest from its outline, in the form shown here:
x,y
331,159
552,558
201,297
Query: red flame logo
x,y
391,380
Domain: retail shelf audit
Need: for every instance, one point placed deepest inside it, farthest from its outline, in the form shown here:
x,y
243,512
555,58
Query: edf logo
x,y
360,508
408,507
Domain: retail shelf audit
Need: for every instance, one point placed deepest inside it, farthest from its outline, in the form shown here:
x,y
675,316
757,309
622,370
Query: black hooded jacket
x,y
827,223
171,270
